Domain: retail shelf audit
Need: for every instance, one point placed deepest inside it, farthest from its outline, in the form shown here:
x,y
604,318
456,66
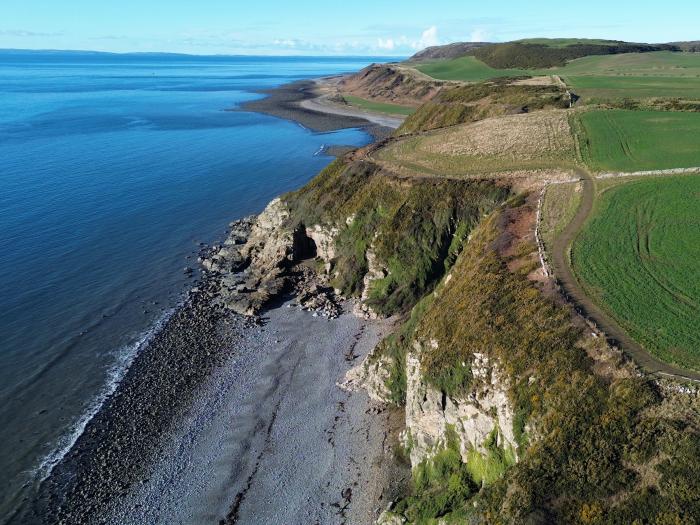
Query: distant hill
x,y
691,46
458,49
542,52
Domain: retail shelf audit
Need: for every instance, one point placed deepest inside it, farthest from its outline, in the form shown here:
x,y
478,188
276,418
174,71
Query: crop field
x,y
466,69
637,257
619,140
661,74
380,107
533,141
635,75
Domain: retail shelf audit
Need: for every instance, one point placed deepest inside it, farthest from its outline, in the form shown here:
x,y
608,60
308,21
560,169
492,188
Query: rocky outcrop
x,y
486,411
260,259
375,271
324,240
252,267
372,375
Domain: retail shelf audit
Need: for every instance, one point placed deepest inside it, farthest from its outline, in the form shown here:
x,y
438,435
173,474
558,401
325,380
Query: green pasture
x,y
638,257
628,141
379,107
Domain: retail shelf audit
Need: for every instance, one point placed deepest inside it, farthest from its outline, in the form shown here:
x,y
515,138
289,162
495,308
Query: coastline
x,y
162,399
306,103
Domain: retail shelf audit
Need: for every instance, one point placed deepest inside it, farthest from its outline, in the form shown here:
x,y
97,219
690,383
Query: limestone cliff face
x,y
253,271
375,271
324,239
484,412
372,375
253,263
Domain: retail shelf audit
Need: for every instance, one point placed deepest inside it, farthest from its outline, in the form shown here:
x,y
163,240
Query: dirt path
x,y
561,262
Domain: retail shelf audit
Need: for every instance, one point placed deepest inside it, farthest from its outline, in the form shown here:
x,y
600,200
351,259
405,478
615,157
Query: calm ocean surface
x,y
112,170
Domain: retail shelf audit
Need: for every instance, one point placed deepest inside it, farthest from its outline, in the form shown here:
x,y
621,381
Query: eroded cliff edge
x,y
516,411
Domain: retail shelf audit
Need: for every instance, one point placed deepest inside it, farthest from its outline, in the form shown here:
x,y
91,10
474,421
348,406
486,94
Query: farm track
x,y
561,261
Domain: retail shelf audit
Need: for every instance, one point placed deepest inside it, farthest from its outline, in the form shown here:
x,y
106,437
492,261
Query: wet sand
x,y
303,102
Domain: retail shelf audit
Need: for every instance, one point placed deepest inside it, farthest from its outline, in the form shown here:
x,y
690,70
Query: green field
x,y
634,75
467,69
662,74
379,107
628,141
639,258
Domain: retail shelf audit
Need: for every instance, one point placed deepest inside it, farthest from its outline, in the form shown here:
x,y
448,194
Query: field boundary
x,y
569,286
649,173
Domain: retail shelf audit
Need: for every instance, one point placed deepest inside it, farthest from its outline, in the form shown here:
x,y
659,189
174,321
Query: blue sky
x,y
357,27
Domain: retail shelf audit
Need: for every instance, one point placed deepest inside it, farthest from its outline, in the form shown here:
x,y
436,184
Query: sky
x,y
330,27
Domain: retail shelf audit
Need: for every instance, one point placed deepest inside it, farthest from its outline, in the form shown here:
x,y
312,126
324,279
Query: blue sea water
x,y
112,170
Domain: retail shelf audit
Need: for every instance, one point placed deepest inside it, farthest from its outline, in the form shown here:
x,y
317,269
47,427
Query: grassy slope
x,y
380,107
418,226
560,204
446,152
638,258
466,68
565,42
590,432
620,140
472,102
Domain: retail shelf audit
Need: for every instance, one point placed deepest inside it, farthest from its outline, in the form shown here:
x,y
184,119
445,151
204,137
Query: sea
x,y
113,170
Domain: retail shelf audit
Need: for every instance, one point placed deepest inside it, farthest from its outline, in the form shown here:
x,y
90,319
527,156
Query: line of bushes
x,y
516,55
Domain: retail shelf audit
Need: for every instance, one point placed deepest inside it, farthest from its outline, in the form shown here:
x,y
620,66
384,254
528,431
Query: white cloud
x,y
287,42
428,38
387,44
479,35
24,33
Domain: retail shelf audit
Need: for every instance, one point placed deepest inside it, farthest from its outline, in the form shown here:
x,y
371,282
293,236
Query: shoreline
x,y
269,417
121,446
304,103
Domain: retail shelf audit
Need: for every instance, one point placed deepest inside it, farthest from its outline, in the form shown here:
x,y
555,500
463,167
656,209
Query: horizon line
x,y
176,53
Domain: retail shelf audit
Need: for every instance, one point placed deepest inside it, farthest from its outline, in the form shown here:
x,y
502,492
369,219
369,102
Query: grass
x,y
565,42
560,204
535,141
467,69
487,468
638,258
378,107
414,227
620,140
471,102
661,74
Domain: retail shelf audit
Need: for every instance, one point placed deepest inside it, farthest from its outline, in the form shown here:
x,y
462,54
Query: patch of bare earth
x,y
391,83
